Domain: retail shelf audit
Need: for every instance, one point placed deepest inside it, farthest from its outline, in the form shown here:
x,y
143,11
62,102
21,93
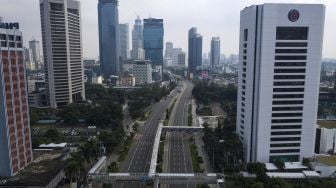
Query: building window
x,y
245,35
288,83
290,51
295,108
288,96
3,37
286,133
285,151
245,45
286,139
286,158
286,145
18,38
288,90
289,70
290,64
286,127
56,6
294,57
287,102
291,44
11,37
286,120
244,63
292,33
289,77
287,115
3,44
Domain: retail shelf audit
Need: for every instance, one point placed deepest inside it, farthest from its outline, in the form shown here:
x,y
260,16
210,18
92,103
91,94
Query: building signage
x,y
9,25
293,15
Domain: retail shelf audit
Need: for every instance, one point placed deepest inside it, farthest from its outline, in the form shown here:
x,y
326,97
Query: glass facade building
x,y
153,40
194,50
108,21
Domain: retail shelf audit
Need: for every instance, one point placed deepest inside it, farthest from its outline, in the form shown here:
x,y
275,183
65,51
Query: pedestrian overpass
x,y
158,178
153,178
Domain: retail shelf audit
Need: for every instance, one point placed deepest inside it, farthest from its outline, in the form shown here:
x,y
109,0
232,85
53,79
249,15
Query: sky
x,y
211,17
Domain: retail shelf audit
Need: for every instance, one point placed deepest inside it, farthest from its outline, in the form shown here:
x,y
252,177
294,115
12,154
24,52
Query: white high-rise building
x,y
62,51
279,73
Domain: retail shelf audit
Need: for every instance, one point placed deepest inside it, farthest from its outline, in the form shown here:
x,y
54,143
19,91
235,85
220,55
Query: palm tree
x,y
74,167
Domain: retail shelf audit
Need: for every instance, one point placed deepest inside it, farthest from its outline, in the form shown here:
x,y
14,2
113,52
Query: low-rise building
x,y
325,137
127,80
325,166
142,71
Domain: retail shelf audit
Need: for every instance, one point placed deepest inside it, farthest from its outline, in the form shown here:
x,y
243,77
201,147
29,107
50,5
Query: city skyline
x,y
223,21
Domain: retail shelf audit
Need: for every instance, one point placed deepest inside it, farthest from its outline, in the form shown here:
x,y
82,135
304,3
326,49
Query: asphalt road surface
x,y
139,156
179,159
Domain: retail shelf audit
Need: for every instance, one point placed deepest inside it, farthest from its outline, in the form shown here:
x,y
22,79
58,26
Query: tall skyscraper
x,y
175,53
34,46
278,86
15,141
215,52
108,23
62,51
124,41
137,40
153,40
169,50
194,50
181,59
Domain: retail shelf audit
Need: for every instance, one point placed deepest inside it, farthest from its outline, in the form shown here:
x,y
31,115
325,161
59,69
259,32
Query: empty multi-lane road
x,y
179,158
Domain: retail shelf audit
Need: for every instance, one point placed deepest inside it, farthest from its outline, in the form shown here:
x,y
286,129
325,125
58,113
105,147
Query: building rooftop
x,y
45,167
270,166
327,160
329,124
294,165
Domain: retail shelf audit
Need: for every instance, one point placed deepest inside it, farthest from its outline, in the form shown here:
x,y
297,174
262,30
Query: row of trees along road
x,y
222,144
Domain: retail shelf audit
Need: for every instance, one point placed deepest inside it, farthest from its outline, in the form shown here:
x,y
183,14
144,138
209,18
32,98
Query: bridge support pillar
x,y
156,183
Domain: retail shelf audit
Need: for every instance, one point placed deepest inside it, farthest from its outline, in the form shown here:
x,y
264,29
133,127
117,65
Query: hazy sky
x,y
211,17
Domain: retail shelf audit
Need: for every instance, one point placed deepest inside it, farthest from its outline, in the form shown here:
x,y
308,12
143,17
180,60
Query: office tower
x,y
137,51
194,50
169,50
215,52
15,141
28,59
175,52
222,59
153,40
124,41
278,86
62,51
181,59
108,26
34,46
